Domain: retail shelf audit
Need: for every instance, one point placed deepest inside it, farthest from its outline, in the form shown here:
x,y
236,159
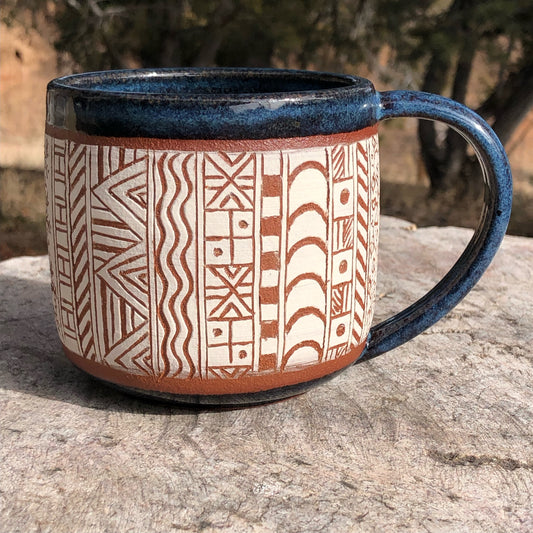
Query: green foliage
x,y
322,34
102,34
485,25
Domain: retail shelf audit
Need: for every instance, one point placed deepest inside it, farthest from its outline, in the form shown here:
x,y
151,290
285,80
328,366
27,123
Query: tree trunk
x,y
518,104
453,176
171,52
445,160
215,33
452,172
431,151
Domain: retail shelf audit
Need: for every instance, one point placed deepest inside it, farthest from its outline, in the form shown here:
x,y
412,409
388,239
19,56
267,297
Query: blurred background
x,y
477,52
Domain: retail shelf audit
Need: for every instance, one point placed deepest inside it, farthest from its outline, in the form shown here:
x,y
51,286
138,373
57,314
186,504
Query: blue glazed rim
x,y
211,103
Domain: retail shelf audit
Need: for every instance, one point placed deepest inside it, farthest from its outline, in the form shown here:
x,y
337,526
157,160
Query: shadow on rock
x,y
32,359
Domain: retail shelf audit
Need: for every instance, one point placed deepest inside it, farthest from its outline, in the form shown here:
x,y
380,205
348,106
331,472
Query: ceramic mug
x,y
213,233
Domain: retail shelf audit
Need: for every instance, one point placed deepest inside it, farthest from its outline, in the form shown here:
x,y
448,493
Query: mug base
x,y
231,401
246,390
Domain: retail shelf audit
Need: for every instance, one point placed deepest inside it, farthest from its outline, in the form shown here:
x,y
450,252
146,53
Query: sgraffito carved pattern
x,y
212,265
228,182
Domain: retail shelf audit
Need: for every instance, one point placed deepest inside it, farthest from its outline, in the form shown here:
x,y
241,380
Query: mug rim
x,y
100,83
317,103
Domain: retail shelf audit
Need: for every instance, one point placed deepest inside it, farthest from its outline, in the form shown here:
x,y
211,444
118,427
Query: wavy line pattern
x,y
184,264
163,255
174,277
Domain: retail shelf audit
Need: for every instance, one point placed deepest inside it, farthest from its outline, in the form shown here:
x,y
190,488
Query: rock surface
x,y
436,435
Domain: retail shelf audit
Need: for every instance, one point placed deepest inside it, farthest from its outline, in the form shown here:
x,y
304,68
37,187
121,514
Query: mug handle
x,y
488,236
